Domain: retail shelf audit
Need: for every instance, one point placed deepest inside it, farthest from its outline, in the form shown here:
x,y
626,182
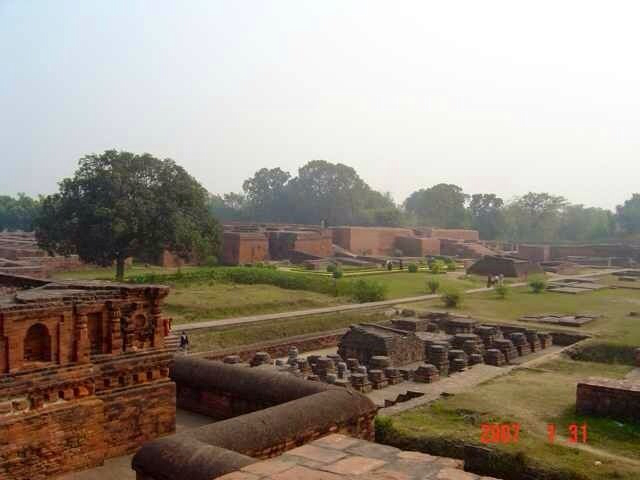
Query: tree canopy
x,y
120,204
442,205
629,215
18,213
322,192
486,215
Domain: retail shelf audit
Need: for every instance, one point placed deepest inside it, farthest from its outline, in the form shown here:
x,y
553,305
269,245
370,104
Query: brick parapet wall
x,y
91,383
300,411
40,446
280,348
606,397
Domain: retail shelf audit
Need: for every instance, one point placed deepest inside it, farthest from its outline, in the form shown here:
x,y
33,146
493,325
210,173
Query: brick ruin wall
x,y
280,348
418,247
507,267
85,376
365,341
37,446
266,414
545,253
452,234
611,398
369,240
535,253
315,243
28,259
244,248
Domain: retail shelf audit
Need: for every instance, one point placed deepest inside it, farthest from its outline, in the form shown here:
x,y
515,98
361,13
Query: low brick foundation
x,y
607,397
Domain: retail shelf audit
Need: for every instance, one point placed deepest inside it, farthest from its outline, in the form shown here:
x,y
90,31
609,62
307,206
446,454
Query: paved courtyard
x,y
338,457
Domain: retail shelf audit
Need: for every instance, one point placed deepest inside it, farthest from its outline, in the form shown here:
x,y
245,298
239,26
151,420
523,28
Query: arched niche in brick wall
x,y
37,344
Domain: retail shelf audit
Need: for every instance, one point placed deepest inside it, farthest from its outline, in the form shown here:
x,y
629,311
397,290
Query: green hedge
x,y
360,290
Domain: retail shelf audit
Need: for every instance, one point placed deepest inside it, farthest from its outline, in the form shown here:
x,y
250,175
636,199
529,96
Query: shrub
x,y
437,266
433,285
452,298
337,273
452,266
412,267
363,291
259,265
383,427
210,261
538,284
332,267
502,291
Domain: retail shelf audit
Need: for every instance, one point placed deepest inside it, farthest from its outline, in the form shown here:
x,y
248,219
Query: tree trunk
x,y
120,268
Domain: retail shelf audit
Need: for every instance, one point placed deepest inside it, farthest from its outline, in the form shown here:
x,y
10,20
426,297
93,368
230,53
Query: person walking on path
x,y
184,341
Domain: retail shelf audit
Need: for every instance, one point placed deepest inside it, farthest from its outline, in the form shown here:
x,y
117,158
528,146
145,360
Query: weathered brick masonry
x,y
84,374
610,398
263,414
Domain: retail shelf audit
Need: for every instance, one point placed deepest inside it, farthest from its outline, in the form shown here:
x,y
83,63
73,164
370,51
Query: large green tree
x,y
332,192
120,204
578,223
485,212
534,217
628,214
266,194
442,205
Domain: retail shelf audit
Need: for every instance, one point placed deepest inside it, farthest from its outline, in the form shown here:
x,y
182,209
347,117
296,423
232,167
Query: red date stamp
x,y
500,433
577,433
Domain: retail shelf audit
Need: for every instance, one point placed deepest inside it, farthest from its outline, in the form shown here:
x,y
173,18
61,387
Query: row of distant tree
x,y
335,194
119,205
18,213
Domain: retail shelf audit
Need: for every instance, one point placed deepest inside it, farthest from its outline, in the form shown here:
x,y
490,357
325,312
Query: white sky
x,y
495,96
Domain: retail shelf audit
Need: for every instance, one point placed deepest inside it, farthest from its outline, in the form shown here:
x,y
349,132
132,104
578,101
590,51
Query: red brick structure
x,y
239,248
607,397
616,254
385,241
418,246
20,255
504,265
369,240
252,243
365,340
83,374
450,234
535,253
261,414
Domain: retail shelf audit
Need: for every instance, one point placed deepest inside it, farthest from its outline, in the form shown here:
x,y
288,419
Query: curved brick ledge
x,y
302,411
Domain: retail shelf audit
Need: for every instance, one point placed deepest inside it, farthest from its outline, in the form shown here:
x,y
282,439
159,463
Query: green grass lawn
x,y
209,301
206,340
616,326
109,273
534,398
407,284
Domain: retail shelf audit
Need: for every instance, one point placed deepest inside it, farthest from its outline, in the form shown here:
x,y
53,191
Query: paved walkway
x,y
633,375
227,322
338,457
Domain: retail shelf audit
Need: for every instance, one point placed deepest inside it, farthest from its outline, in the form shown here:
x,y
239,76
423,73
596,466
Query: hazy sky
x,y
495,96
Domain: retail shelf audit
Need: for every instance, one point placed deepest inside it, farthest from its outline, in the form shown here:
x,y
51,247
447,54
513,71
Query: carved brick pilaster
x,y
82,348
115,329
